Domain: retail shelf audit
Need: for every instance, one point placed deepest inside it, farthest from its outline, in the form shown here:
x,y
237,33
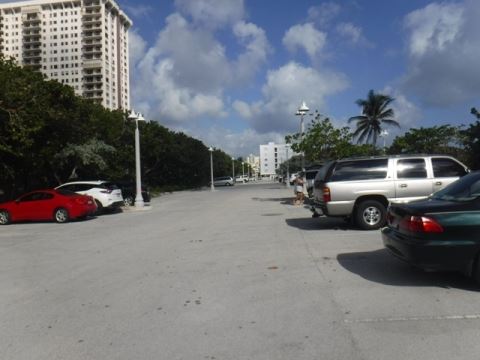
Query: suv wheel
x,y
370,215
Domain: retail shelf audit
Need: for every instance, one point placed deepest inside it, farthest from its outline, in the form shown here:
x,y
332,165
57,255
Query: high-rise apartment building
x,y
81,43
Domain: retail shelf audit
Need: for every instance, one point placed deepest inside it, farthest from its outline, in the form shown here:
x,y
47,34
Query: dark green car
x,y
441,232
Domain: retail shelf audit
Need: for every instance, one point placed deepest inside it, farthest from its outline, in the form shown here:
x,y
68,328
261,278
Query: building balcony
x,y
35,65
91,50
93,82
92,36
92,42
32,41
31,31
92,64
31,21
92,5
90,21
32,56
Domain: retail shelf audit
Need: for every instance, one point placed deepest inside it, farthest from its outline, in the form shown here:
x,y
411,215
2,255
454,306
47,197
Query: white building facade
x,y
271,156
80,43
254,162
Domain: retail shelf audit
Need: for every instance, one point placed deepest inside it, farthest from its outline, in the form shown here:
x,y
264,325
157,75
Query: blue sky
x,y
233,72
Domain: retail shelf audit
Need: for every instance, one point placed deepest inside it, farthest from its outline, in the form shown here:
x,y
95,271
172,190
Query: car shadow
x,y
320,223
381,267
282,200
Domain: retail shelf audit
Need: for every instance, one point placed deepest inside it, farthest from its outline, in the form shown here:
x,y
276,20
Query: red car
x,y
58,205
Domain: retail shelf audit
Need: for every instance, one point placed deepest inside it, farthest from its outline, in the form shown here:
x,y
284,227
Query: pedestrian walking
x,y
299,196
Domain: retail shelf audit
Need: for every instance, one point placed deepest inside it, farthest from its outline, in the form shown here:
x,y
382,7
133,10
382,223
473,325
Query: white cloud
x,y
305,36
283,92
138,11
324,13
241,143
213,13
183,77
407,114
257,49
444,49
434,27
353,34
137,47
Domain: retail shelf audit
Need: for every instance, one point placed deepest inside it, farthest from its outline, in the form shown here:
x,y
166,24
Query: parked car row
x,y
73,200
428,206
230,181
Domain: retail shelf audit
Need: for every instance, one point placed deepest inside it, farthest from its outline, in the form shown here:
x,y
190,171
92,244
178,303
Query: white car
x,y
105,193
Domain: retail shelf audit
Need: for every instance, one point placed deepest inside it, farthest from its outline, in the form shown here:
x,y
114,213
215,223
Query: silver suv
x,y
362,188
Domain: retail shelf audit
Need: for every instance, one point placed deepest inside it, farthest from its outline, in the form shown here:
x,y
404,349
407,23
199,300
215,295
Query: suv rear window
x,y
445,167
360,170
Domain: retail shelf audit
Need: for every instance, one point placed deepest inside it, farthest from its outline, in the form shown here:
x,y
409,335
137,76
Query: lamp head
x,y
210,149
303,109
140,117
132,115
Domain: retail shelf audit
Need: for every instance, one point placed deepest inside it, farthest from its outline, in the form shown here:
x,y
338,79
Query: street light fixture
x,y
138,198
233,168
302,110
243,172
384,134
287,180
212,187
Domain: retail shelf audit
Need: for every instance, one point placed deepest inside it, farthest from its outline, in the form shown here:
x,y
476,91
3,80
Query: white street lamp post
x,y
384,134
243,172
302,110
212,187
233,168
138,198
287,180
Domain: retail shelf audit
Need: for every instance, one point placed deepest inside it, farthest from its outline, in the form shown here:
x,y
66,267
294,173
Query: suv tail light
x,y
421,224
326,195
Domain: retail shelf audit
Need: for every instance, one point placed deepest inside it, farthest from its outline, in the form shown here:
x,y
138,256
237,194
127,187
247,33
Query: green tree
x,y
444,139
475,112
375,115
322,142
471,141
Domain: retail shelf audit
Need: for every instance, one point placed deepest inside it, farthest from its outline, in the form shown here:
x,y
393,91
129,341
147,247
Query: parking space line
x,y
413,318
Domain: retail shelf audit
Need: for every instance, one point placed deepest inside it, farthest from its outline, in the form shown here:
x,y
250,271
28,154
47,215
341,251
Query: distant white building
x,y
272,155
254,162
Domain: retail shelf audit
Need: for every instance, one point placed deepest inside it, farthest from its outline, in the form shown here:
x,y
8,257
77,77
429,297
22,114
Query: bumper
x,y
115,204
431,255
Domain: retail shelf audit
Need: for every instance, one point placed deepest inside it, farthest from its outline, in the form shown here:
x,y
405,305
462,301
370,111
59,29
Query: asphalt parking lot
x,y
239,273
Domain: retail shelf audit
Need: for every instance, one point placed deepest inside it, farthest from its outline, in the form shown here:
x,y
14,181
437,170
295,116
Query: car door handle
x,y
438,183
403,185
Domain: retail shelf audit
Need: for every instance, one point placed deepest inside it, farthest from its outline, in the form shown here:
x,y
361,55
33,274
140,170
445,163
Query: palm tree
x,y
375,114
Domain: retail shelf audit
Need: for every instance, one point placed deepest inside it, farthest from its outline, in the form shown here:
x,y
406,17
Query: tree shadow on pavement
x,y
381,267
320,223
